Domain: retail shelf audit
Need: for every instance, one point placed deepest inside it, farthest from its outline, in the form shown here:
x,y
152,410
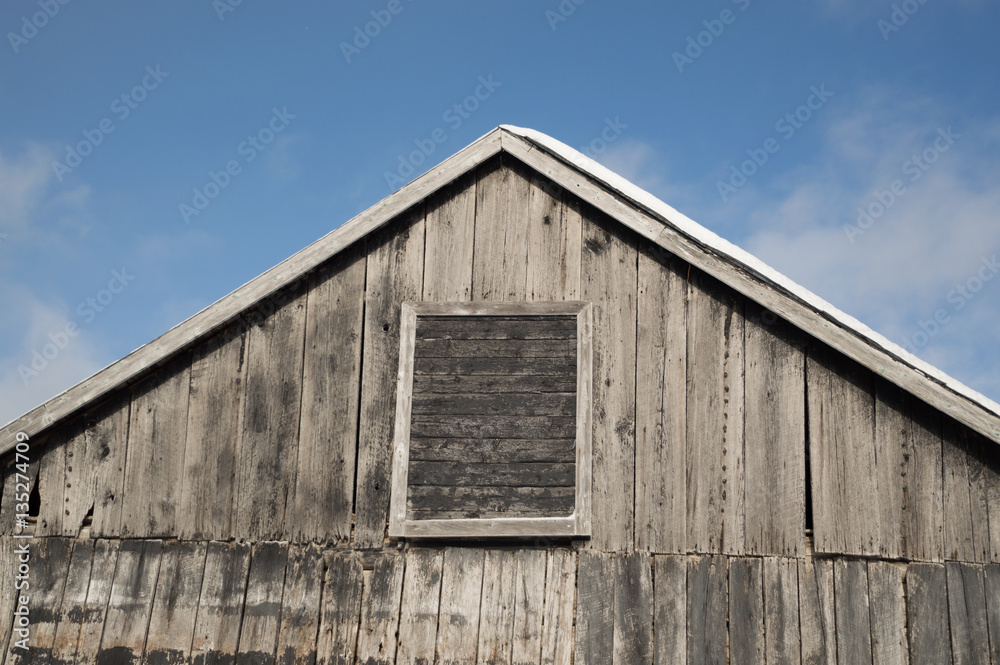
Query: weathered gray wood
x,y
98,594
991,481
817,620
492,383
342,590
532,474
154,465
175,603
496,615
979,493
927,614
595,618
781,617
888,612
49,562
214,404
970,643
488,427
220,605
560,596
268,446
499,270
661,405
493,451
775,463
127,618
493,526
609,279
670,610
394,274
500,348
461,592
707,603
963,538
633,631
107,440
854,639
8,601
19,484
553,243
262,608
432,501
546,404
52,481
490,365
300,607
746,610
74,602
715,403
527,326
893,439
401,428
842,455
380,611
330,391
923,529
418,615
992,585
449,247
584,422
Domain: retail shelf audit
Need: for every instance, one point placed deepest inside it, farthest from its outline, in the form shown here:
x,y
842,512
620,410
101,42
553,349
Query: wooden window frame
x,y
577,524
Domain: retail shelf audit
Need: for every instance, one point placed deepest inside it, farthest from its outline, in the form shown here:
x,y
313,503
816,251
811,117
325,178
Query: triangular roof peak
x,y
630,205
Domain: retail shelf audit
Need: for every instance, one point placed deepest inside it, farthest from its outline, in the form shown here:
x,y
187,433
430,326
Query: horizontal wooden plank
x,y
498,348
462,474
552,527
499,404
451,384
493,451
495,427
427,501
504,366
496,327
488,308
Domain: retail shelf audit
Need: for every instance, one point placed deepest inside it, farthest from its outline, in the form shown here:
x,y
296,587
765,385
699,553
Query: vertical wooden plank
x,y
609,279
746,610
8,570
496,615
991,480
707,605
554,235
380,611
418,615
300,607
98,594
595,620
775,435
501,246
220,605
154,464
206,510
854,640
976,447
992,577
394,274
262,609
74,602
715,408
893,438
52,481
842,454
331,388
959,531
49,567
633,631
670,620
529,600
338,630
449,248
923,527
127,618
268,447
888,612
461,592
927,614
817,621
781,619
970,643
107,442
175,603
560,603
661,404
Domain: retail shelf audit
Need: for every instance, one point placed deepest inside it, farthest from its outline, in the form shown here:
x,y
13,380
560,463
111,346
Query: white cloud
x,y
23,180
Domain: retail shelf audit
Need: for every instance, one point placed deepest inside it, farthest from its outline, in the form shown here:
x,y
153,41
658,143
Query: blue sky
x,y
114,116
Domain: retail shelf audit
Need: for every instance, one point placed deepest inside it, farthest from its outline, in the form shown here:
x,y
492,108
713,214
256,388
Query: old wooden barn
x,y
519,412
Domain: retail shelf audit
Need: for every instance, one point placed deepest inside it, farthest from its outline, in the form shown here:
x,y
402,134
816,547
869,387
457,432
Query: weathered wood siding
x,y
718,427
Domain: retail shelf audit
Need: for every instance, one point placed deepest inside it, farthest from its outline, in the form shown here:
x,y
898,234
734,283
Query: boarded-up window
x,y
493,420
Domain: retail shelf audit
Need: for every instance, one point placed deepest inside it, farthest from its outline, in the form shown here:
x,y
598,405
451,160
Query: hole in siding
x,y
34,501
